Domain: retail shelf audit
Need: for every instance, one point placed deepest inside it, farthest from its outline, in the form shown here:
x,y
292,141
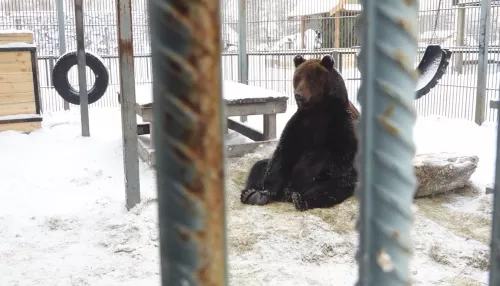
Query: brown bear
x,y
313,163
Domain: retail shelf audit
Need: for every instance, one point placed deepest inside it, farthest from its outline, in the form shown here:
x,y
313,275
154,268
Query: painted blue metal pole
x,y
495,232
385,157
188,115
127,93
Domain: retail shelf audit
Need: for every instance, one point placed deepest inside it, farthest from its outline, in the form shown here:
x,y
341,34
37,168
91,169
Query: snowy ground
x,y
63,221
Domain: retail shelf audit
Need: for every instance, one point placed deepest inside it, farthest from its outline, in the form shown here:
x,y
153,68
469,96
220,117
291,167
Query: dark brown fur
x,y
313,164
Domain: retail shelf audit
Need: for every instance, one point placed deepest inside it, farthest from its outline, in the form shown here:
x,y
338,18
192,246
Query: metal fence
x,y
275,32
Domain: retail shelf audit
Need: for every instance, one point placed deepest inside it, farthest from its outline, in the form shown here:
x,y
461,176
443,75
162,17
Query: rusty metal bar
x,y
127,92
385,157
188,111
82,76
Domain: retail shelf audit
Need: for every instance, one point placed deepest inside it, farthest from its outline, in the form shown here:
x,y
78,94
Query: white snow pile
x,y
63,221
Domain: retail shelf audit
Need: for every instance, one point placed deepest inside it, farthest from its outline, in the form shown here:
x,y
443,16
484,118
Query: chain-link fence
x,y
275,32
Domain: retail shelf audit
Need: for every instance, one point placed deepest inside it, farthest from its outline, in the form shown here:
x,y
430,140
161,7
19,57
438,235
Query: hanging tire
x,y
64,88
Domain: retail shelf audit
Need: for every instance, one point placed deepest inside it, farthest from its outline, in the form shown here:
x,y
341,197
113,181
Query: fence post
x,y
82,76
385,157
482,70
62,36
188,111
459,39
242,42
495,232
242,46
127,94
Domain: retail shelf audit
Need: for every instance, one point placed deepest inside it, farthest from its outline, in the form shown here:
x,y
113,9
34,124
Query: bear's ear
x,y
328,62
298,60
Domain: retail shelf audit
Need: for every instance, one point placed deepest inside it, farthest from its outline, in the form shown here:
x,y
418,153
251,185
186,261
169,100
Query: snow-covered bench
x,y
240,99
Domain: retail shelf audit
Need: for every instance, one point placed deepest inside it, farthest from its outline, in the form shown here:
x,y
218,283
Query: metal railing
x,y
455,95
274,33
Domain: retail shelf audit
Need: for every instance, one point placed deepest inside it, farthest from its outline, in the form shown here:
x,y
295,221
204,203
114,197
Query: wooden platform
x,y
19,87
24,123
267,106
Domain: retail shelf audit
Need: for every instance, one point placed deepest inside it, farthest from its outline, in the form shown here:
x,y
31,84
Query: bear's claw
x,y
299,203
255,197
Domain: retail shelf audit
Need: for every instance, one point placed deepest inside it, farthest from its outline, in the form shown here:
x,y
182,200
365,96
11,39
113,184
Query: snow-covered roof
x,y
353,7
308,7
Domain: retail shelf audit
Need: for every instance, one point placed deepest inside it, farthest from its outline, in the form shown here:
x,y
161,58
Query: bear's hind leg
x,y
323,195
254,193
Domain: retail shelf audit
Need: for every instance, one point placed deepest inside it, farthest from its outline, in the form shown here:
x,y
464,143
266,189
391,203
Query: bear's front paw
x,y
287,194
255,197
299,203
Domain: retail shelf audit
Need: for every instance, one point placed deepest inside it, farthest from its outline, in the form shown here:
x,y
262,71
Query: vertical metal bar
x,y
242,42
482,73
188,112
460,36
495,232
242,46
384,161
127,92
62,35
82,76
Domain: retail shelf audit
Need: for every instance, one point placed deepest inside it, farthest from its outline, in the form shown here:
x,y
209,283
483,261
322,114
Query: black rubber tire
x,y
445,61
64,88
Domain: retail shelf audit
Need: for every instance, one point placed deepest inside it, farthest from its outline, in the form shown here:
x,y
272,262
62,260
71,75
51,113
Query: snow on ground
x,y
63,221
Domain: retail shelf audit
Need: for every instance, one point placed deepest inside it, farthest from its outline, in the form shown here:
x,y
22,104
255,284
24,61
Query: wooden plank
x,y
495,103
143,129
16,87
17,37
146,153
231,110
337,30
239,150
245,130
18,108
20,118
146,113
6,98
16,77
21,126
16,67
256,108
152,134
12,57
302,30
490,190
270,126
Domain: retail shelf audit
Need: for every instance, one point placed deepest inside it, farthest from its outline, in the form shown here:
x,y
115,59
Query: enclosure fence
x,y
275,32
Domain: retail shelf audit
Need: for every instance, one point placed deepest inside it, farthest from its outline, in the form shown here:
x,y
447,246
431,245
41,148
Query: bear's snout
x,y
299,96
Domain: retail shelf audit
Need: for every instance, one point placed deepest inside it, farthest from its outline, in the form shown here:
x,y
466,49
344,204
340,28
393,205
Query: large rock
x,y
439,173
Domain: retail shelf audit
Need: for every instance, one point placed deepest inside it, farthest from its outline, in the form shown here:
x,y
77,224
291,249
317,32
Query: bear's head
x,y
315,81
